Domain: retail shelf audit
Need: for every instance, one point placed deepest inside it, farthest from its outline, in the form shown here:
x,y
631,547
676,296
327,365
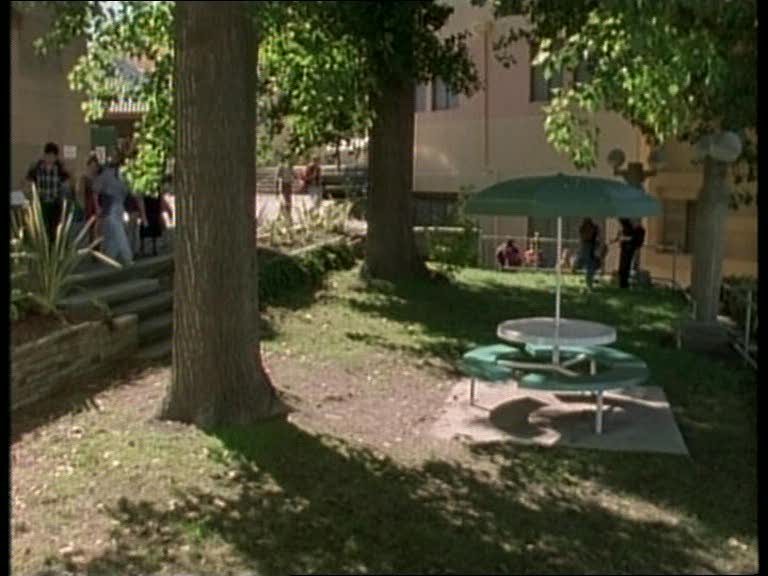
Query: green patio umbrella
x,y
559,196
562,196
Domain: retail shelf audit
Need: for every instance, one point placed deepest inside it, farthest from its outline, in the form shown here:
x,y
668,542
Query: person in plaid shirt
x,y
52,182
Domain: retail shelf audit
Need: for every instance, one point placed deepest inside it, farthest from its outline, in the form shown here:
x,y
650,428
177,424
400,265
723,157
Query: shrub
x,y
308,225
280,274
452,246
733,300
42,270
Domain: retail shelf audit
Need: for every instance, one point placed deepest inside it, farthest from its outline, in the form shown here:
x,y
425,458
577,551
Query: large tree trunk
x,y
391,247
218,376
709,240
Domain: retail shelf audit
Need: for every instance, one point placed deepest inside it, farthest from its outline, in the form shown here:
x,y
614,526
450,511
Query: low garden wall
x,y
41,367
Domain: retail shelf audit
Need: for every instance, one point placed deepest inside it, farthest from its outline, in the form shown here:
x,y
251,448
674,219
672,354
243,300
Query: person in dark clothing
x,y
87,196
508,255
638,235
588,233
154,208
51,180
627,253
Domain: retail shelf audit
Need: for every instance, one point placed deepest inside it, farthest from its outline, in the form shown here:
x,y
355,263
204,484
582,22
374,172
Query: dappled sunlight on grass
x,y
332,495
301,503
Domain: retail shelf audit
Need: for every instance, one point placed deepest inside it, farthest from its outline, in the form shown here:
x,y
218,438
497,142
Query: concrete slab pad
x,y
638,420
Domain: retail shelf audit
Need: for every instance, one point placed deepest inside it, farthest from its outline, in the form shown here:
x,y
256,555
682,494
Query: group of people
x,y
592,251
311,183
508,255
103,195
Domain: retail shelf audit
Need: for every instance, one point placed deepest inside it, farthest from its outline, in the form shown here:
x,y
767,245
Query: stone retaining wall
x,y
39,368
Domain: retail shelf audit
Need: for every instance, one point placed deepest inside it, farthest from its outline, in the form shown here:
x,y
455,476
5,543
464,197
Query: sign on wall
x,y
70,152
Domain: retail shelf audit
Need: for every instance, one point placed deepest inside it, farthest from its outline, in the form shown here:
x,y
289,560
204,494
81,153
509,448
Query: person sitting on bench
x,y
508,255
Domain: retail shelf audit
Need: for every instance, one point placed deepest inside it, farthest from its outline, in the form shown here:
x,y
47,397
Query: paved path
x,y
268,209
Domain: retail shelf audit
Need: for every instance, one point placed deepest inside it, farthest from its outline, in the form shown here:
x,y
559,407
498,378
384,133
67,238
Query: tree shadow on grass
x,y
312,504
699,389
719,493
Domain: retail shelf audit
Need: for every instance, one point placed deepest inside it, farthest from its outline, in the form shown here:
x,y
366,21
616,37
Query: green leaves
x,y
320,65
43,266
674,68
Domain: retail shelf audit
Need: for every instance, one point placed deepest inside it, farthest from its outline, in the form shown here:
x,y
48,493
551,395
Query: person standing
x,y
638,234
154,224
284,183
312,181
88,196
627,250
52,182
112,193
588,233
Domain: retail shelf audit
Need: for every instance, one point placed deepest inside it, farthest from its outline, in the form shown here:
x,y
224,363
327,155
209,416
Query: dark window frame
x,y
451,98
421,97
557,81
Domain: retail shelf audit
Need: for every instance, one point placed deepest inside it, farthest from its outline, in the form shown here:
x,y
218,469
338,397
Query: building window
x,y
541,88
679,223
443,98
421,97
582,73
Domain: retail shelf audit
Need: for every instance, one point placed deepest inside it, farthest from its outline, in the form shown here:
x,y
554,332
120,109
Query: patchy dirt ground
x,y
353,483
83,451
81,482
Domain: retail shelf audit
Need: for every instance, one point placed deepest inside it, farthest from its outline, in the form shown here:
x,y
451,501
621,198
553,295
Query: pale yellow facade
x,y
498,133
43,108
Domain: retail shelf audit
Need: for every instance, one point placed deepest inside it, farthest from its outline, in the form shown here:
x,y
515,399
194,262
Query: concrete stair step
x,y
159,350
103,274
156,328
148,306
111,295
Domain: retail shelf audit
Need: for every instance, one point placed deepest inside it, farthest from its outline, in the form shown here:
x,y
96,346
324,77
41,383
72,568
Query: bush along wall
x,y
283,273
733,300
454,246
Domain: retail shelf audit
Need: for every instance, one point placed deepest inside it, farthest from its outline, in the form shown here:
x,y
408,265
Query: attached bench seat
x,y
619,370
482,364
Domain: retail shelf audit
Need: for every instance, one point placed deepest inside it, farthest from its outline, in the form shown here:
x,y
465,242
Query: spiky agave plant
x,y
47,267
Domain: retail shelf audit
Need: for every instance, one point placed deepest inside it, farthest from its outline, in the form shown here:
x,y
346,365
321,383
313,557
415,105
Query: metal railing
x,y
667,273
742,339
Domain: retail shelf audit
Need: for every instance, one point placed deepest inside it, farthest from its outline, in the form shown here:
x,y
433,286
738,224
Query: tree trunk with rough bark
x,y
391,246
709,238
218,377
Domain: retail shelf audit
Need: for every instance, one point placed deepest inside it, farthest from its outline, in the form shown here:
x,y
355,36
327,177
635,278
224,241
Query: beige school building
x,y
43,108
498,133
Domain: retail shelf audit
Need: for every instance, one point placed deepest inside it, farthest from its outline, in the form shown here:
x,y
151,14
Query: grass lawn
x,y
354,483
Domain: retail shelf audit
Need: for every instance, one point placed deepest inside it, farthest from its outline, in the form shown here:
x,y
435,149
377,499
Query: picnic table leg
x,y
592,372
599,413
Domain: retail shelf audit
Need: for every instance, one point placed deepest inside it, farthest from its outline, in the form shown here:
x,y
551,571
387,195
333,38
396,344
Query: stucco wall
x,y
42,106
498,133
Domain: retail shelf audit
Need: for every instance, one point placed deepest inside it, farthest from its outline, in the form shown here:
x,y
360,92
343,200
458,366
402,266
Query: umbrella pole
x,y
559,280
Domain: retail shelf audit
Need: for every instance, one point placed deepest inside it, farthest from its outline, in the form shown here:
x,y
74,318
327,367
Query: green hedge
x,y
281,273
733,300
450,245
